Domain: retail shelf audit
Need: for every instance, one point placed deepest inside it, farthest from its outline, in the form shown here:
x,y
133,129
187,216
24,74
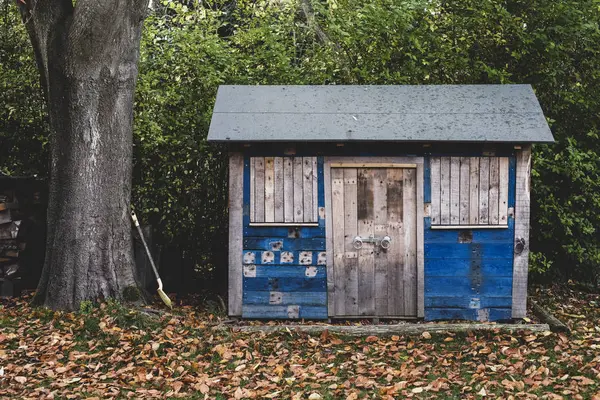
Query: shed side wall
x,y
469,272
284,267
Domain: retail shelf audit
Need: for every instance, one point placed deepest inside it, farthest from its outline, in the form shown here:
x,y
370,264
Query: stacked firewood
x,y
10,245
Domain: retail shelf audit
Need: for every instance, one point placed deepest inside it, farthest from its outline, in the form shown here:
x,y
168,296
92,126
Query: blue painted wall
x,y
468,273
464,279
285,273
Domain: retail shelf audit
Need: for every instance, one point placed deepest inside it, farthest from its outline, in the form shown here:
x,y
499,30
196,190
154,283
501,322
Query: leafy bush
x,y
188,50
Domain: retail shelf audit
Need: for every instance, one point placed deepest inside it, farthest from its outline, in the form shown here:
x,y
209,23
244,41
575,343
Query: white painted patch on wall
x,y
293,312
310,272
250,271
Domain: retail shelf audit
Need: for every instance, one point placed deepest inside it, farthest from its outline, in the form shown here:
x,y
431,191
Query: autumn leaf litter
x,y
115,352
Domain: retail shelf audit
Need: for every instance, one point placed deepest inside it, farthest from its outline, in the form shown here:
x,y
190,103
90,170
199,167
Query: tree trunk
x,y
87,56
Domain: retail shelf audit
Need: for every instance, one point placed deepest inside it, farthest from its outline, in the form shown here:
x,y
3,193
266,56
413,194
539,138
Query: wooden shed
x,y
379,201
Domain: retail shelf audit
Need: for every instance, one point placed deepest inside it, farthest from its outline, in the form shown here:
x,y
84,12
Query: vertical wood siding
x,y
282,269
469,272
371,281
283,189
237,182
469,190
521,262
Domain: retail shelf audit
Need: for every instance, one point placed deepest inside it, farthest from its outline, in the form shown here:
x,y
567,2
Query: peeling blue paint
x,y
286,277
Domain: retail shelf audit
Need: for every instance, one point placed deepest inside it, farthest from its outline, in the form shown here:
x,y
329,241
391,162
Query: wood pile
x,y
10,245
23,202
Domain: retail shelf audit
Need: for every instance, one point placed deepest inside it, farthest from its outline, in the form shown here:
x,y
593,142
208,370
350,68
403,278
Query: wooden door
x,y
371,203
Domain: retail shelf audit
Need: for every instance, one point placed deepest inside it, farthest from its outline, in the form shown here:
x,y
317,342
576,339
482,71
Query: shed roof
x,y
427,113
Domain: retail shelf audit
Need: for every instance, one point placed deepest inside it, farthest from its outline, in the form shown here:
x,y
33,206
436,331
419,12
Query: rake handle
x,y
139,229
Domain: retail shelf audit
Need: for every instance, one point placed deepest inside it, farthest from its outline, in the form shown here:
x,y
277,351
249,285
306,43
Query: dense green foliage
x,y
23,128
187,51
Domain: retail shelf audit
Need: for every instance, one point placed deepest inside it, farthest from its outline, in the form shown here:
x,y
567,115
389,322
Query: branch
x,y
309,14
44,21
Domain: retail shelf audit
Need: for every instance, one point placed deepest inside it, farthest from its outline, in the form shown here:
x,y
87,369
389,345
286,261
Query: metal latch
x,y
384,242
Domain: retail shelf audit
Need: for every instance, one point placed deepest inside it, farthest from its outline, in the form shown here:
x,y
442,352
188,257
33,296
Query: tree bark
x,y
87,55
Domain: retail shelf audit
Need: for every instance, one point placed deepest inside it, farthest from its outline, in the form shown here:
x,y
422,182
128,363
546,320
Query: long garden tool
x,y
161,293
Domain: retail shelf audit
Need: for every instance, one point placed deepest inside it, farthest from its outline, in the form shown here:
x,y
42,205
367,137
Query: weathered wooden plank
x,y
468,302
483,315
337,215
307,197
474,190
366,268
445,190
298,257
435,191
380,229
387,329
269,189
252,190
329,239
302,284
521,260
450,227
493,286
236,196
315,189
465,195
420,244
468,236
484,187
283,244
381,164
288,189
452,250
395,254
379,161
544,315
259,192
298,190
503,191
464,267
285,271
282,224
454,190
278,179
284,312
350,231
410,242
285,298
493,191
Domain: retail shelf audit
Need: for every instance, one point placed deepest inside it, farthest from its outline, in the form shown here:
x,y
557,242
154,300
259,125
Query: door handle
x,y
384,242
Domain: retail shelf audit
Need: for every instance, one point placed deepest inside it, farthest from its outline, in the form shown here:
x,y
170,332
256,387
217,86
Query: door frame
x,y
374,162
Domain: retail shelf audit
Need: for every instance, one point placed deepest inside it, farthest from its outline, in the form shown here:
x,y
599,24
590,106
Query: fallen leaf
x,y
20,379
426,335
371,339
240,367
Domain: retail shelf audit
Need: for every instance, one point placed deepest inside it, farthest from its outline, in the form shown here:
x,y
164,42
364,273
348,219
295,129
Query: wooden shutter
x,y
283,190
469,191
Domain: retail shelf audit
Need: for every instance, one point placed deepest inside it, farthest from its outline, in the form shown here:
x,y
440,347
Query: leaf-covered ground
x,y
113,352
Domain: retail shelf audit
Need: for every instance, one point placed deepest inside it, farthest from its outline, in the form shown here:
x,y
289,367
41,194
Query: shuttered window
x,y
469,191
283,190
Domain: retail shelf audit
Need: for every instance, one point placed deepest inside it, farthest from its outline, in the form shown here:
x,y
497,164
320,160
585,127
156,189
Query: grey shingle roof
x,y
461,113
